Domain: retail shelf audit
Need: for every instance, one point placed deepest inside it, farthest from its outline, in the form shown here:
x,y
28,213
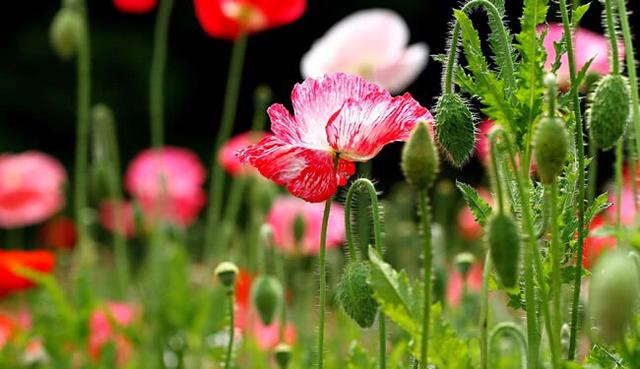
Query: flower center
x,y
248,16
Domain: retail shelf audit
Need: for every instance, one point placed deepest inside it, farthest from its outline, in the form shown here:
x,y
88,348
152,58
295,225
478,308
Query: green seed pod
x,y
455,131
356,296
282,354
614,294
551,148
503,239
227,273
609,111
267,295
420,162
64,33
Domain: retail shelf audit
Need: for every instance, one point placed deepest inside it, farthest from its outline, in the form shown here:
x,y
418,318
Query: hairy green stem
x,y
556,278
425,218
323,280
579,134
484,314
158,65
514,330
232,329
216,185
618,175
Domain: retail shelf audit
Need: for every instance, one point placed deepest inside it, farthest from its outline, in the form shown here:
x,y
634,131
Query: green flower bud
x,y
282,354
267,295
420,162
464,261
227,273
609,111
64,33
503,239
551,148
614,294
455,131
356,296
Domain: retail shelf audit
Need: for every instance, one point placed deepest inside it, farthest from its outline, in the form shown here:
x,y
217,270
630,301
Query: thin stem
x,y
496,174
158,64
323,280
516,333
613,38
593,171
279,259
484,314
619,158
577,115
556,282
631,71
216,186
232,329
83,106
425,217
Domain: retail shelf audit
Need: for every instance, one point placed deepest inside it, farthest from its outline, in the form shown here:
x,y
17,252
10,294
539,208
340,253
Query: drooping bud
x,y
551,148
464,261
227,273
65,32
455,131
614,294
420,162
282,354
267,295
609,111
503,239
356,296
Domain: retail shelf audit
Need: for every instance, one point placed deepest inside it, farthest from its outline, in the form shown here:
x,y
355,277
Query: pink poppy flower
x,y
469,228
286,213
228,158
103,326
337,114
371,43
106,216
455,284
587,45
627,206
594,245
268,336
30,188
167,183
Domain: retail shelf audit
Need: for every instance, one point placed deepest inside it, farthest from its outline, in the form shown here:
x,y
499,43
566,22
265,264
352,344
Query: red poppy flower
x,y
229,18
7,329
59,233
39,260
595,246
335,114
135,6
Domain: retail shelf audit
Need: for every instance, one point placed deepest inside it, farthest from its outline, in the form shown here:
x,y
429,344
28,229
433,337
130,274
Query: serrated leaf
x,y
480,209
578,13
358,358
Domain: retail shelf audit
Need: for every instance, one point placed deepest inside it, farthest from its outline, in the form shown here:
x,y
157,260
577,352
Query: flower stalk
x,y
158,66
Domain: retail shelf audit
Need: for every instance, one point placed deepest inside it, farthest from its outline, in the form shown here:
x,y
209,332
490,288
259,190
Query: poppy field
x,y
287,247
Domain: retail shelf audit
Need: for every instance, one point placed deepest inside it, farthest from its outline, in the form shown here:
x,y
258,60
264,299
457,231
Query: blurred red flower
x,y
103,326
106,215
167,183
230,18
7,329
594,245
135,6
227,155
455,283
30,188
59,233
39,260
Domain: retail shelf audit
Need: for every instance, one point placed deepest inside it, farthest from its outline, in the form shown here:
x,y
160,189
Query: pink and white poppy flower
x,y
371,43
285,213
335,115
31,188
168,183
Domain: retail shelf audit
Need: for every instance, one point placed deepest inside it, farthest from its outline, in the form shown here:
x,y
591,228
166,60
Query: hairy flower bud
x,y
227,273
356,296
503,239
282,354
420,162
267,295
551,148
455,131
609,111
614,294
64,33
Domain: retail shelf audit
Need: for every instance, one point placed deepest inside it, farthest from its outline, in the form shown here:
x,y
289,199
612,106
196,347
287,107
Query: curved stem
x,y
556,282
452,53
577,115
516,333
425,217
158,64
216,185
232,329
484,314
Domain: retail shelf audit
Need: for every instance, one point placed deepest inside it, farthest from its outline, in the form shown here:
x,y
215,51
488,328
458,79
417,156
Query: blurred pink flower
x,y
587,45
30,188
594,245
227,155
455,284
106,216
103,326
268,336
469,228
371,43
167,182
284,215
483,146
135,6
627,207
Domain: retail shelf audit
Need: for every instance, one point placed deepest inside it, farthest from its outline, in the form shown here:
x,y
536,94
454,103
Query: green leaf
x,y
479,208
578,14
446,349
603,358
358,358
